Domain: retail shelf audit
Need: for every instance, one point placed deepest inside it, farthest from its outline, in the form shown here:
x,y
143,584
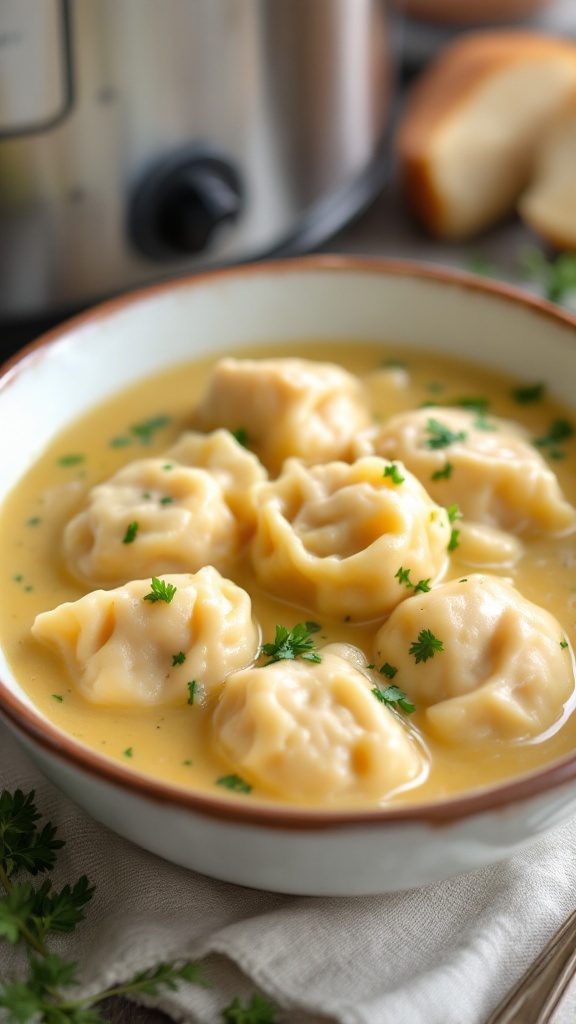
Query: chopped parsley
x,y
131,531
394,364
422,587
169,465
403,577
161,591
443,474
178,659
441,435
529,393
235,783
557,277
425,646
560,430
292,643
481,423
58,697
394,473
34,521
128,752
454,541
166,500
387,670
73,459
241,436
453,513
474,404
145,430
563,643
191,691
258,1011
394,695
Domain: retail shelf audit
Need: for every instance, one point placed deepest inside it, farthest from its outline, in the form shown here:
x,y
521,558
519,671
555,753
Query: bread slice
x,y
549,204
468,136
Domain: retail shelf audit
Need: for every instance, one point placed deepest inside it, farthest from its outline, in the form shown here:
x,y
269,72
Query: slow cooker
x,y
146,138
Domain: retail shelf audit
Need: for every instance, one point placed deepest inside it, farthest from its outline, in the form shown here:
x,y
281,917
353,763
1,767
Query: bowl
x,y
80,364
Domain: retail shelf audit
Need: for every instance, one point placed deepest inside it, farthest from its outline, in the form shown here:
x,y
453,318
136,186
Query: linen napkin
x,y
441,954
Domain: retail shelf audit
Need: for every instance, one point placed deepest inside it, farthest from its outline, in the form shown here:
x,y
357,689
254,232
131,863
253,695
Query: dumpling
x,y
122,648
486,466
235,469
334,538
286,407
313,732
153,516
485,663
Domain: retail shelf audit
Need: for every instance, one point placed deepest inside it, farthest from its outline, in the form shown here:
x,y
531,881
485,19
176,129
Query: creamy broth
x,y
175,743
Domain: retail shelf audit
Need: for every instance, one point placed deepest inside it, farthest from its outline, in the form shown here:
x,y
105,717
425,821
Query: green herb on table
x,y
235,783
425,646
557,277
31,912
394,695
131,531
441,435
258,1011
292,643
394,473
160,591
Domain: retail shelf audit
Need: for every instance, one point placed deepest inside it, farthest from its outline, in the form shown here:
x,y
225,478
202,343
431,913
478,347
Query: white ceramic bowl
x,y
85,360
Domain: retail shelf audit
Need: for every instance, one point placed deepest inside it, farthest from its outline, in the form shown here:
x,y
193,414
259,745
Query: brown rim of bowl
x,y
24,720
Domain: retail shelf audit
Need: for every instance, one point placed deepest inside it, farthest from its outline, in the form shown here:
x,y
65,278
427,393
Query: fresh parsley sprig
x,y
394,695
30,913
442,436
292,643
425,646
160,591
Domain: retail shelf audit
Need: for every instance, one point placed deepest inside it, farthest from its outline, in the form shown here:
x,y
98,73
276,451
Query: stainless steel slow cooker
x,y
146,138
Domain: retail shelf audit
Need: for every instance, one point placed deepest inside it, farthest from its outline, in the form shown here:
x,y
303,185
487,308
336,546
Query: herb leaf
x,y
178,659
443,474
241,436
161,591
388,670
442,436
293,643
394,695
403,577
131,531
425,646
258,1011
191,691
235,783
529,393
394,473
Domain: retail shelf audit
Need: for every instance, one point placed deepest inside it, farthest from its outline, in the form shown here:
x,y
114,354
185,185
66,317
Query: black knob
x,y
180,204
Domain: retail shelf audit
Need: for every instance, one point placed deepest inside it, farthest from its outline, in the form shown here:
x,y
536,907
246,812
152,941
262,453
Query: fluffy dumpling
x,y
484,662
314,732
154,515
333,538
124,649
486,466
286,407
234,468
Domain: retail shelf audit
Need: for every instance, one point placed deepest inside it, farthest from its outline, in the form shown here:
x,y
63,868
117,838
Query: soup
x,y
364,696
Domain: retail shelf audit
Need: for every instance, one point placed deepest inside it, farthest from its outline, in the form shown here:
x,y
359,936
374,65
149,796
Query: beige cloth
x,y
443,954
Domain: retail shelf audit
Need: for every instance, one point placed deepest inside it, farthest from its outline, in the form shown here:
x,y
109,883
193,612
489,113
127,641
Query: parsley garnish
x,y
442,436
563,643
131,531
422,587
191,691
453,513
178,659
394,473
443,474
145,430
425,646
454,541
161,591
560,430
74,459
258,1011
387,670
235,783
474,403
58,697
403,576
31,912
394,364
293,643
166,500
128,752
241,436
529,393
34,521
394,695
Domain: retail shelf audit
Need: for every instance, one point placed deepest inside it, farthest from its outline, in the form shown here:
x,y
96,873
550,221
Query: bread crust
x,y
443,90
